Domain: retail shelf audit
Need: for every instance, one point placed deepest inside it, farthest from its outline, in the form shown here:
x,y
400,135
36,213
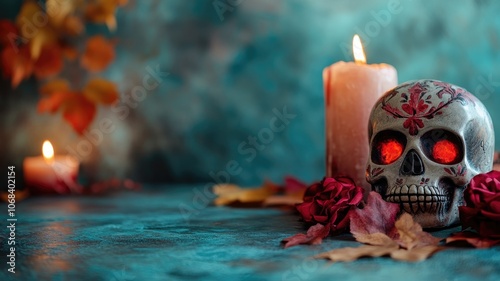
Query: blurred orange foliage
x,y
38,42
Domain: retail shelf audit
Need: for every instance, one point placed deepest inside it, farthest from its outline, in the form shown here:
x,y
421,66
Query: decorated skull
x,y
427,140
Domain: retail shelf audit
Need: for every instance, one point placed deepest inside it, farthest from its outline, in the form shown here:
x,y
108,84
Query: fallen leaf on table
x,y
415,254
230,193
472,239
375,239
376,225
293,193
377,216
351,254
411,234
314,236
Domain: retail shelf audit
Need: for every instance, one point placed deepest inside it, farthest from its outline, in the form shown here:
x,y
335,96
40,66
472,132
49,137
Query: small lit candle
x,y
351,90
50,173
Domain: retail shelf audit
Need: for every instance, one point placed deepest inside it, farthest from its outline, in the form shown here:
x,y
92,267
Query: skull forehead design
x,y
427,140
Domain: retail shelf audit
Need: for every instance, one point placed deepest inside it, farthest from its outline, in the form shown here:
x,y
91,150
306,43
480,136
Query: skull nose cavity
x,y
412,165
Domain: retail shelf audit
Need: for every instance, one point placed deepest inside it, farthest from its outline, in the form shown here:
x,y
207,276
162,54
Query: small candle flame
x,y
47,151
357,49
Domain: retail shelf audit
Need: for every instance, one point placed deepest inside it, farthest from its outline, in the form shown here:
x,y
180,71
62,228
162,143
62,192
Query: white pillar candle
x,y
351,90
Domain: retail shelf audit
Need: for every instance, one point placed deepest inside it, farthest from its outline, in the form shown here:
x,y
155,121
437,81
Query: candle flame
x,y
47,151
357,49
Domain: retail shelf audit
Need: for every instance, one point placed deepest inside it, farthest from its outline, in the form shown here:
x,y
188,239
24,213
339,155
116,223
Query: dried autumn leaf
x,y
377,216
472,239
288,199
293,194
49,62
411,234
101,91
230,193
53,102
415,254
79,112
44,36
375,239
73,26
32,22
103,11
314,236
16,64
99,53
58,10
69,52
351,254
56,85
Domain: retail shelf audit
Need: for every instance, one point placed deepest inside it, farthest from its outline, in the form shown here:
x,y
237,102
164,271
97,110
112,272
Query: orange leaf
x,y
73,25
411,234
472,239
69,52
49,62
99,53
101,91
51,103
57,85
103,11
31,24
79,112
416,254
58,10
16,64
351,254
8,33
233,194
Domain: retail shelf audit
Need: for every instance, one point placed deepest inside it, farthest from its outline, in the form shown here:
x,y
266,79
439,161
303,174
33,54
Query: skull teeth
x,y
417,198
415,194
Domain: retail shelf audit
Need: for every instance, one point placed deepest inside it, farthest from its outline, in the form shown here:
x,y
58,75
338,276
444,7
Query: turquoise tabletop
x,y
173,233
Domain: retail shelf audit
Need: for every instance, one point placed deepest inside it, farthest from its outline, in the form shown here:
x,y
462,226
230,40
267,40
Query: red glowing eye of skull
x,y
390,150
445,152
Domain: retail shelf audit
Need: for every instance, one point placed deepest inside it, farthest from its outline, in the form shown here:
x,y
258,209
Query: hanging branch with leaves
x,y
39,42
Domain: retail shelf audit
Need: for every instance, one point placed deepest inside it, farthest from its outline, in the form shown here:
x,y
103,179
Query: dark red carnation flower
x,y
329,201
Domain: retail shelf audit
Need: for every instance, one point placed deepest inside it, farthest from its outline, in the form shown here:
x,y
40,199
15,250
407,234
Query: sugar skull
x,y
427,140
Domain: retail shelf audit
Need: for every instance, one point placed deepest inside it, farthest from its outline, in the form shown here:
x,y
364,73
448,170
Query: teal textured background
x,y
229,69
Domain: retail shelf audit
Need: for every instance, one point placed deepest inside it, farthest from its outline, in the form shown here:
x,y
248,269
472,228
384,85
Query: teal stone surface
x,y
171,233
